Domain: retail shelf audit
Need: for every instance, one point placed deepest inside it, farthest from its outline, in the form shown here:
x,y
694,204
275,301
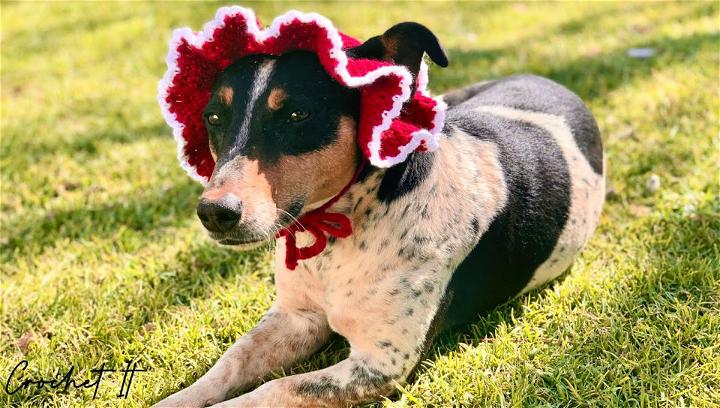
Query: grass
x,y
102,258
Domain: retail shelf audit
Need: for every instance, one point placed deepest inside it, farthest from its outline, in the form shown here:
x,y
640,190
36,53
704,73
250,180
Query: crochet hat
x,y
393,122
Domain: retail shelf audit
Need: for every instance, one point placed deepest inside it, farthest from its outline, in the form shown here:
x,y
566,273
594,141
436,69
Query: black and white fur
x,y
503,206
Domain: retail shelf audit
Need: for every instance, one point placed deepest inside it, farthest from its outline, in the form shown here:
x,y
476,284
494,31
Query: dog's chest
x,y
354,271
396,264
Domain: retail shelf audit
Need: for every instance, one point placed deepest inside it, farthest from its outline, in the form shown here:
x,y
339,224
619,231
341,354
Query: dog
x,y
503,206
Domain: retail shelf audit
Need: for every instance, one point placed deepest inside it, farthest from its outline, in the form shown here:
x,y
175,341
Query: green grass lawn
x,y
102,258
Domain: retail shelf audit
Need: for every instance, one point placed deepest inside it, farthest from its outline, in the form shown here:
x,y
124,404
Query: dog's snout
x,y
219,216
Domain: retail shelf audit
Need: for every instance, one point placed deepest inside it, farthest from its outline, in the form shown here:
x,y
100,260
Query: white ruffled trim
x,y
429,137
170,118
433,141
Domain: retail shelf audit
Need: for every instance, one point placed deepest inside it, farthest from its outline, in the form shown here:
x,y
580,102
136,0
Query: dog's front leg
x,y
355,379
281,338
387,332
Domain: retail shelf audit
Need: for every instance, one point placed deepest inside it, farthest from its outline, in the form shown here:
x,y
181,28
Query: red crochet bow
x,y
317,222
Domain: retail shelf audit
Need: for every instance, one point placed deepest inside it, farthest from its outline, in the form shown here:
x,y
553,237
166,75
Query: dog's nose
x,y
219,216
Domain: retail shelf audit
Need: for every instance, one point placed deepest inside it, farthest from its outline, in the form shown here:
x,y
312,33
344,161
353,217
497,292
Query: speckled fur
x,y
383,287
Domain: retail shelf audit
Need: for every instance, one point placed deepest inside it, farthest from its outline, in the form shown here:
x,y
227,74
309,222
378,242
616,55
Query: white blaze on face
x,y
258,87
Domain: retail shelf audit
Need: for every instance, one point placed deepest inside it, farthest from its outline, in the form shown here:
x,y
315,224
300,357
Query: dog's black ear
x,y
403,44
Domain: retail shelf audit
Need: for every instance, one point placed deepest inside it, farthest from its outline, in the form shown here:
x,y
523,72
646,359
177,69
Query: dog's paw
x,y
186,398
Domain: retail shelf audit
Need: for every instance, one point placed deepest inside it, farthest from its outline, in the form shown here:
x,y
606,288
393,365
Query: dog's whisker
x,y
292,217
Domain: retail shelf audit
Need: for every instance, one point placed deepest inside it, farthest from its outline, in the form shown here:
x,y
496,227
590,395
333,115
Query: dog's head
x,y
283,135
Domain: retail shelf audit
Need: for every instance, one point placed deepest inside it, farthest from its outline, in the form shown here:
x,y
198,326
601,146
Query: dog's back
x,y
549,148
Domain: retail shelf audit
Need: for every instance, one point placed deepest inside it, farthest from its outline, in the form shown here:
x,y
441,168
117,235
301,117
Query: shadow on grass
x,y
89,143
589,22
594,77
86,144
35,40
190,276
144,211
591,77
147,214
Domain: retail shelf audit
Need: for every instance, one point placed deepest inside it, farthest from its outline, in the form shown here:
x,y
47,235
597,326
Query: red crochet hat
x,y
391,124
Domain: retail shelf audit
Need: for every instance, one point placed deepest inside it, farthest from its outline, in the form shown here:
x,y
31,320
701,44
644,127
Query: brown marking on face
x,y
225,95
263,188
276,98
320,174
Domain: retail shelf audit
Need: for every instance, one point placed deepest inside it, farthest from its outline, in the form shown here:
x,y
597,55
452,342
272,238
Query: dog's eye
x,y
213,119
298,116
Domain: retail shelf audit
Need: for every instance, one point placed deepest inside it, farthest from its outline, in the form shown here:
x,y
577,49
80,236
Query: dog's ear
x,y
403,44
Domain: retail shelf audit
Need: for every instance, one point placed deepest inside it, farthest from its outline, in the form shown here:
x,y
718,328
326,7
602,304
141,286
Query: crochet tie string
x,y
319,223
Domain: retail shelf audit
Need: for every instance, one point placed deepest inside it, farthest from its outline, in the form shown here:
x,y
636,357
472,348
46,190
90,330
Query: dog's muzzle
x,y
222,218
